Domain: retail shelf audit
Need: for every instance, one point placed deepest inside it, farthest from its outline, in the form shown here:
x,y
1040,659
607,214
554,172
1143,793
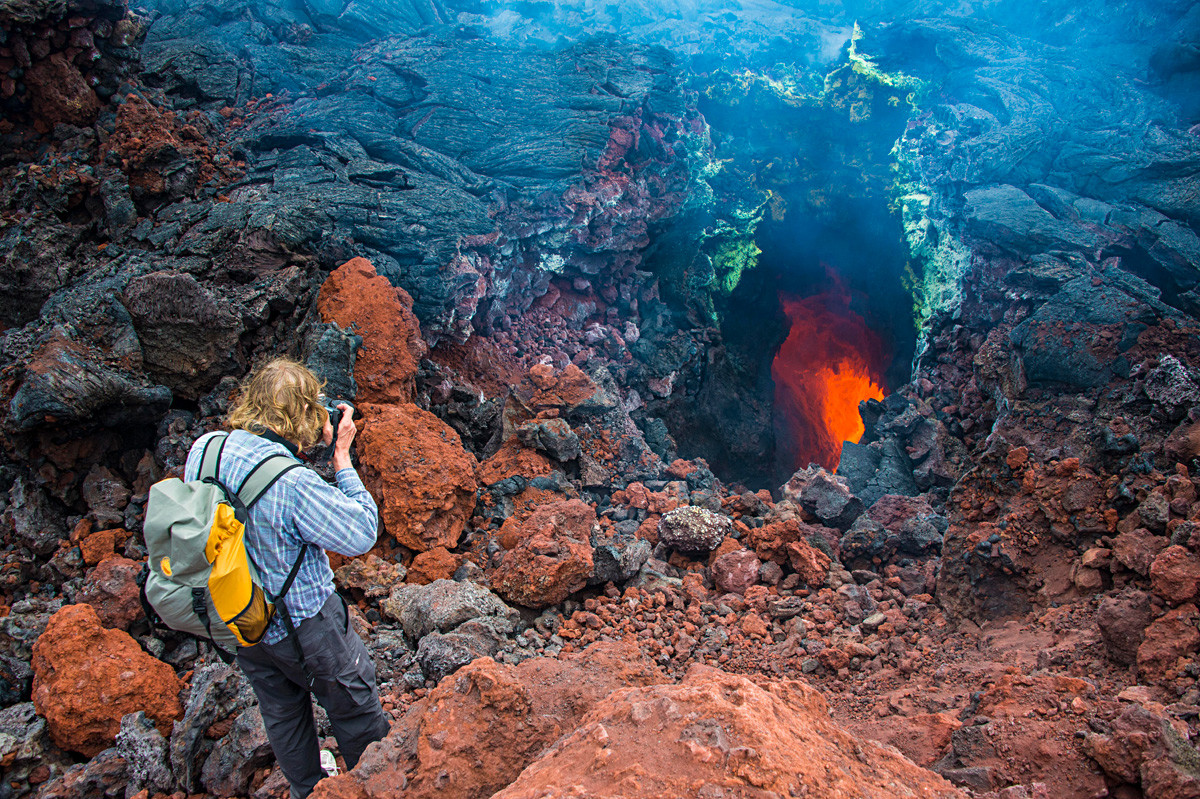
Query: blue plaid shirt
x,y
301,507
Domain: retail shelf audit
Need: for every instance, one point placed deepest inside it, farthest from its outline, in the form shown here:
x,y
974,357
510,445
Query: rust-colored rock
x,y
1143,747
719,731
551,557
100,545
416,468
771,540
86,678
433,564
809,562
1175,575
1137,549
543,388
734,572
481,726
514,459
1167,639
354,296
60,93
111,589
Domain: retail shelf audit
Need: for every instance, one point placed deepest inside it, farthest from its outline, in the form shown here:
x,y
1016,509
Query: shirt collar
x,y
271,435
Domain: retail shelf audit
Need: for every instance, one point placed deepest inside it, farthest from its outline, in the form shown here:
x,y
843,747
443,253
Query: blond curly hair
x,y
281,395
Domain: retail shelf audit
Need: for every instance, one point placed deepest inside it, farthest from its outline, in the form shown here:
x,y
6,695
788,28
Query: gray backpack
x,y
199,577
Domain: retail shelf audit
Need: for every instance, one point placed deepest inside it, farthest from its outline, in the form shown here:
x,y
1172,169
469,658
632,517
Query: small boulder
x,y
355,297
112,590
1137,549
1175,575
825,496
735,571
433,564
693,529
442,606
233,762
1123,619
87,678
144,749
551,436
552,558
618,555
369,577
810,563
1168,638
106,495
416,468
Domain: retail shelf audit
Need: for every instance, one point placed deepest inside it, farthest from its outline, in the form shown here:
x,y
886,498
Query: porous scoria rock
x,y
514,459
434,564
543,388
354,296
1142,747
1175,575
86,678
416,468
475,732
1168,638
736,571
111,589
1122,619
693,529
370,577
720,732
550,555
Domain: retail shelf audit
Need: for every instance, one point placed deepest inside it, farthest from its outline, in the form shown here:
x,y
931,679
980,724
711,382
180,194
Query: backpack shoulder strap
x,y
264,475
210,458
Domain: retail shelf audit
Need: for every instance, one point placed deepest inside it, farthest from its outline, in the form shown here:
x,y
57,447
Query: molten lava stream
x,y
829,363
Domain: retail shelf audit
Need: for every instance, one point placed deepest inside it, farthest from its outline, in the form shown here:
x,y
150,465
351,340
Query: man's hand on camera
x,y
345,437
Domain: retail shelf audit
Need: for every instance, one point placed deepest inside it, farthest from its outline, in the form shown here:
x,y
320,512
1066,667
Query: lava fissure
x,y
829,363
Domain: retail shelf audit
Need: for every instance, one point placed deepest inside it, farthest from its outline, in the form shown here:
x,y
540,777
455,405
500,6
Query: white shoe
x,y
329,764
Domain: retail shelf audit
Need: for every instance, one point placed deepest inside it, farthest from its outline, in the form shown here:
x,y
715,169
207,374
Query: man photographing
x,y
279,411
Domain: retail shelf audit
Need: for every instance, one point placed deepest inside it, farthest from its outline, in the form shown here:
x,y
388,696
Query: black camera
x,y
335,414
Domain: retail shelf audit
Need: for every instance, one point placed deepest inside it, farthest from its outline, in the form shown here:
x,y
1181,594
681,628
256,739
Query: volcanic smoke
x,y
829,363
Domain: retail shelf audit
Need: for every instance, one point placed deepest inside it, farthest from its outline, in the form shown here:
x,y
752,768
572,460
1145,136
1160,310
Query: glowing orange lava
x,y
829,363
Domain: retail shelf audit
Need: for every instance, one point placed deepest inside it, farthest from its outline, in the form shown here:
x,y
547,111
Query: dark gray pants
x,y
343,682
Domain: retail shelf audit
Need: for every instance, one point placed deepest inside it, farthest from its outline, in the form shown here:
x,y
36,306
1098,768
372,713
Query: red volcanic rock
x,y
355,296
544,389
552,557
479,728
809,562
1143,747
111,589
98,546
1175,575
60,93
1122,619
736,571
416,468
771,540
512,459
86,678
1137,549
434,564
718,731
1168,638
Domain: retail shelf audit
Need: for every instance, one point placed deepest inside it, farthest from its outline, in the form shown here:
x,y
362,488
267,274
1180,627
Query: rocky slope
x,y
540,246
